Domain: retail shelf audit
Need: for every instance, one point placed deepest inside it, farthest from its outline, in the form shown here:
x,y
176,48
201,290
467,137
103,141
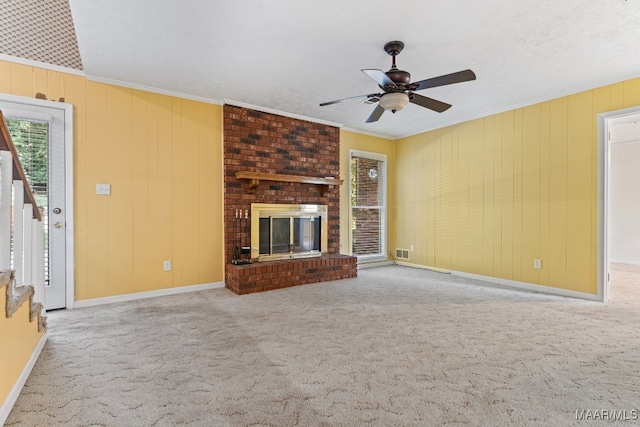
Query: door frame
x,y
604,200
68,175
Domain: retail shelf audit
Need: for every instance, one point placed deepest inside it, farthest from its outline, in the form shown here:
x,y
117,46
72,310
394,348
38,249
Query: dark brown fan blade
x,y
377,113
447,79
352,98
430,103
381,78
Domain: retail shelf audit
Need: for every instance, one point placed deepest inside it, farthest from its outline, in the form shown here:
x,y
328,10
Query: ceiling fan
x,y
398,91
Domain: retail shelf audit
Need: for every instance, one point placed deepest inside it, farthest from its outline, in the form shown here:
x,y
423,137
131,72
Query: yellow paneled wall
x,y
18,339
489,196
163,158
356,141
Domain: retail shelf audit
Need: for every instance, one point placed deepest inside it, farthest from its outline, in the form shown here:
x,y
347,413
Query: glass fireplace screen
x,y
289,235
288,231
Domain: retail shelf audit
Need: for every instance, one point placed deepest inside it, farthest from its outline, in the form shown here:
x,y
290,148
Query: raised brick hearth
x,y
256,141
265,276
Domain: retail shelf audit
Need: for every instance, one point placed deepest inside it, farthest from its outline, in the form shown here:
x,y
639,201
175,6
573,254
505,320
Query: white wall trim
x,y
280,113
35,102
626,261
371,264
369,133
38,64
635,141
423,267
368,155
149,294
6,407
511,283
69,199
152,89
530,286
604,158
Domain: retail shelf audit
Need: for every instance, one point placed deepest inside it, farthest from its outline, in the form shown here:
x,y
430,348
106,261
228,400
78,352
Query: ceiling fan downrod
x,y
399,77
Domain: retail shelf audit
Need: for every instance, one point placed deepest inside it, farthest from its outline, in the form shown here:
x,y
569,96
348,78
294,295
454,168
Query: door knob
x,y
58,225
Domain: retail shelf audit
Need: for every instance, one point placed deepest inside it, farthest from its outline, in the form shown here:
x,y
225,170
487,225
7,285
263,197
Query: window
x,y
368,172
31,139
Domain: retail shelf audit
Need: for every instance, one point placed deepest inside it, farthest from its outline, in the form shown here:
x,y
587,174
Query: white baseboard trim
x,y
625,261
149,294
530,286
423,267
372,264
512,283
6,407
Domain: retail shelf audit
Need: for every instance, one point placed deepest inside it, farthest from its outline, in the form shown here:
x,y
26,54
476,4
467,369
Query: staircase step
x,y
18,295
42,323
5,277
34,310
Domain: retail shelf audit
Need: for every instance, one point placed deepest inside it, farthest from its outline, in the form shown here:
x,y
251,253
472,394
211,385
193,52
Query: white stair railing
x,y
6,182
21,227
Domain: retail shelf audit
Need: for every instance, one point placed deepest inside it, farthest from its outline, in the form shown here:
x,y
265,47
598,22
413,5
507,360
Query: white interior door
x,y
52,194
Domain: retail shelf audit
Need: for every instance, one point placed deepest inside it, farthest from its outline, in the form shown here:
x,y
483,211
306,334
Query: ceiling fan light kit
x,y
398,90
394,101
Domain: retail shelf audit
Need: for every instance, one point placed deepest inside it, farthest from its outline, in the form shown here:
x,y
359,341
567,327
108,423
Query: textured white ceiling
x,y
291,55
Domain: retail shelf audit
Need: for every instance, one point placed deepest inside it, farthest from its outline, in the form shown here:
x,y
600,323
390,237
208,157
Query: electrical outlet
x,y
411,248
103,189
537,263
167,266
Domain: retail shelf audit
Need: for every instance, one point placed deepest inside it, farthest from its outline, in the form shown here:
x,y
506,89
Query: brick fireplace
x,y
269,146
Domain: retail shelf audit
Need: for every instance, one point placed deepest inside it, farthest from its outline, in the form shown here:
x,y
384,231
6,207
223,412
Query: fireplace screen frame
x,y
292,211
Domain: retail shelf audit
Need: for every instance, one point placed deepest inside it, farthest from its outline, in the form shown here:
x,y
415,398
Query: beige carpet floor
x,y
395,347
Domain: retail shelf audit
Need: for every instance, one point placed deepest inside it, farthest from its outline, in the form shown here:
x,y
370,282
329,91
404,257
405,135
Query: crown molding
x,y
280,113
38,64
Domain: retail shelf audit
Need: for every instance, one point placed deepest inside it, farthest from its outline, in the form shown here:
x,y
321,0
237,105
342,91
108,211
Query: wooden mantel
x,y
255,178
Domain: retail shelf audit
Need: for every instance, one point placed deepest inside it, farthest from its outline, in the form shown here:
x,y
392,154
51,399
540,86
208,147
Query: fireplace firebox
x,y
287,231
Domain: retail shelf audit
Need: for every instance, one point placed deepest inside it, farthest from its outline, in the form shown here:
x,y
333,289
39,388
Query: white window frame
x,y
383,209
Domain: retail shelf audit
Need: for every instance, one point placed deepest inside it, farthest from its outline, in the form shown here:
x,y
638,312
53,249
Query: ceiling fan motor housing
x,y
399,77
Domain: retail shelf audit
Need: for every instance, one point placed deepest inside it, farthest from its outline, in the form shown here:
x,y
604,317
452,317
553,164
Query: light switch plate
x,y
103,189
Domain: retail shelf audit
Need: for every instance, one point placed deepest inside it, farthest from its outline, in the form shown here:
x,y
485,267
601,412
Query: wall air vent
x,y
402,254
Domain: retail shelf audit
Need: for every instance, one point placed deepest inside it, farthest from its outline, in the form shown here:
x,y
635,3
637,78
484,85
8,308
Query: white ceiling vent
x,y
402,254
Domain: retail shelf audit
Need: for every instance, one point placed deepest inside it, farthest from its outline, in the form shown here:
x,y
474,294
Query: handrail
x,y
6,144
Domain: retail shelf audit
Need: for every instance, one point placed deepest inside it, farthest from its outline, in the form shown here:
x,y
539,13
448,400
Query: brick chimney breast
x,y
257,141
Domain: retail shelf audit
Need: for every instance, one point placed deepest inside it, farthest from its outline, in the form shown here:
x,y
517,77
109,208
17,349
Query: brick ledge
x,y
265,276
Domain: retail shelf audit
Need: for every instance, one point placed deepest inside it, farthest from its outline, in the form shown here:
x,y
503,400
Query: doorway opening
x,y
618,201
